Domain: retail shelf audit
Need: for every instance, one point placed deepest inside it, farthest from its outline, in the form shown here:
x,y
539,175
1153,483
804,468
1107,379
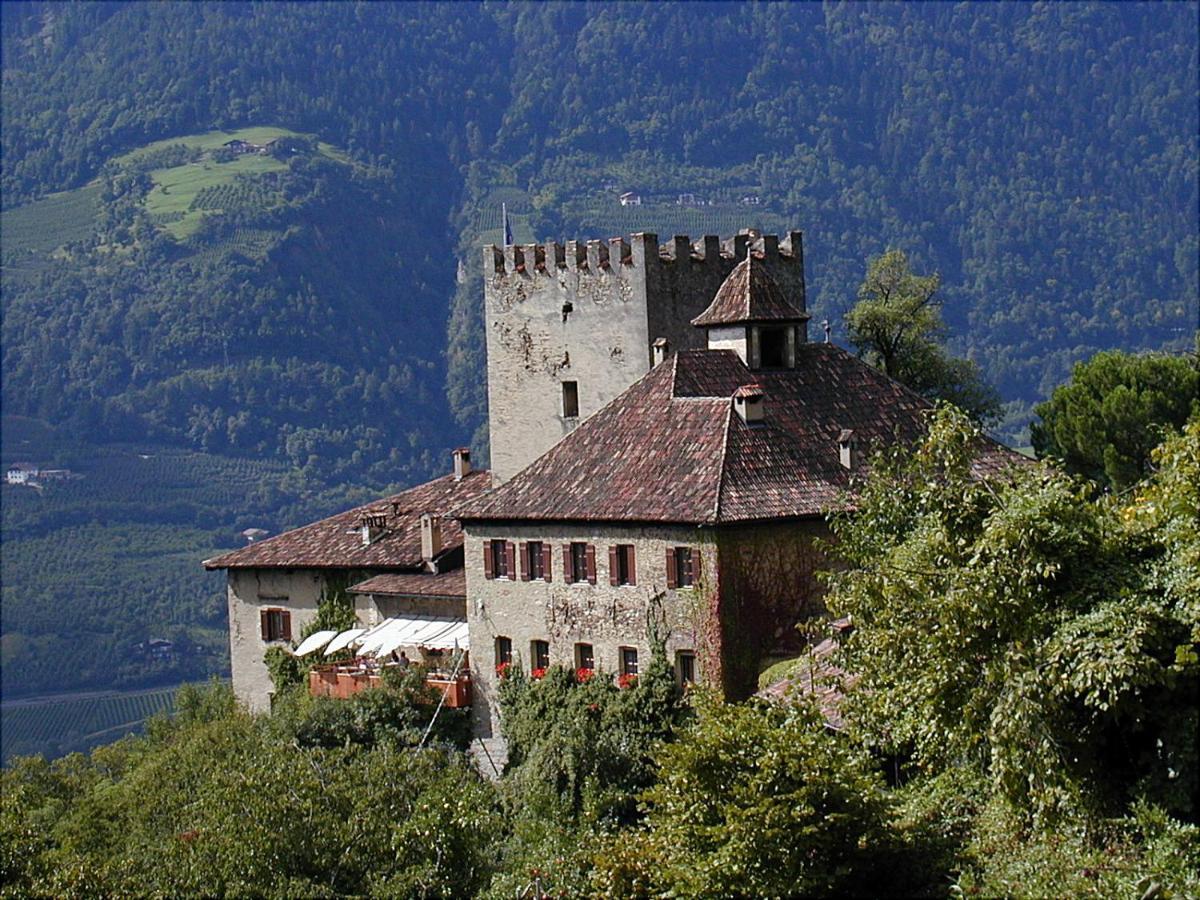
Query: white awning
x,y
343,640
314,642
417,631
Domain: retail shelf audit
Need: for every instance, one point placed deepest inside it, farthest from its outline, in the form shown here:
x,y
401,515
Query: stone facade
x,y
599,614
757,584
589,313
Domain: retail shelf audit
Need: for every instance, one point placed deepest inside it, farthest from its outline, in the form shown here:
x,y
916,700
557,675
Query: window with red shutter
x,y
546,554
285,625
510,559
696,570
488,571
672,568
276,624
582,562
568,564
621,568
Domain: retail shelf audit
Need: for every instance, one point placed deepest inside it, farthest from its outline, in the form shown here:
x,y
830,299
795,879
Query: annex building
x,y
665,443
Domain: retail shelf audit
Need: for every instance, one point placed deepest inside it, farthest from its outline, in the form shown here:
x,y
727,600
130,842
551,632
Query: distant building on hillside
x,y
629,198
21,473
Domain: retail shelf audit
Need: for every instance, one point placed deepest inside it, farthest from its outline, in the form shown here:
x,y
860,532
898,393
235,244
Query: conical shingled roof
x,y
749,294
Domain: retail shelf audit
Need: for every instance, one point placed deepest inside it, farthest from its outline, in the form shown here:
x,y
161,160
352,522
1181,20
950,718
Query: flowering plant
x,y
583,674
626,680
537,674
502,669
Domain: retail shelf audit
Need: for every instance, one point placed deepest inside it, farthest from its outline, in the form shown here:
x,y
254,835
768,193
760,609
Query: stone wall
x,y
563,614
768,584
589,313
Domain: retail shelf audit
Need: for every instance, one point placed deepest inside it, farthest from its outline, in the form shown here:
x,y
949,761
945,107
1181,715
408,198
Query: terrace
x,y
438,644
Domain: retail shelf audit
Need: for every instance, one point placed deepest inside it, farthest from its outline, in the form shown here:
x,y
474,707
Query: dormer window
x,y
848,449
748,402
772,343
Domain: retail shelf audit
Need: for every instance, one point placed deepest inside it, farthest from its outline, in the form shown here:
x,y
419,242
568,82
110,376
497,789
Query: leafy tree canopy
x,y
897,326
1020,629
1104,423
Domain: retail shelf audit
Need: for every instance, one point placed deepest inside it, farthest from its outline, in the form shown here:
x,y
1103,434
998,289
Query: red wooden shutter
x,y
287,625
672,569
525,561
546,558
695,566
568,569
510,553
632,565
265,621
613,571
487,560
591,564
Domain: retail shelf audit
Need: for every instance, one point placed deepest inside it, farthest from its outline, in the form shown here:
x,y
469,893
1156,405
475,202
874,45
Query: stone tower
x,y
571,327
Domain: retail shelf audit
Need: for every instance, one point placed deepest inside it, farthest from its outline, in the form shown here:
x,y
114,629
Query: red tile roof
x,y
749,294
336,542
451,585
670,449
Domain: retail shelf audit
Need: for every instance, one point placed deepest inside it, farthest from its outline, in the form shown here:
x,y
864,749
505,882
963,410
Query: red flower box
x,y
626,680
583,674
537,674
503,669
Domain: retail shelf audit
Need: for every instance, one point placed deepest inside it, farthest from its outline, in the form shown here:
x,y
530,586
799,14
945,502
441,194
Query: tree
x,y
1115,410
1020,629
897,326
753,800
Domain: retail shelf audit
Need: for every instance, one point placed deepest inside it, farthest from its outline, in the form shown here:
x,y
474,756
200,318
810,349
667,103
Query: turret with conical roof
x,y
752,316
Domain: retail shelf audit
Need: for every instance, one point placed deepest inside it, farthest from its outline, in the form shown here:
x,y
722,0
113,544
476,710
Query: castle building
x,y
665,445
689,509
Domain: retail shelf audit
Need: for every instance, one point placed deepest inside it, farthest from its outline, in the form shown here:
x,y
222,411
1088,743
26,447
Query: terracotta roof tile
x,y
670,449
336,542
451,585
749,294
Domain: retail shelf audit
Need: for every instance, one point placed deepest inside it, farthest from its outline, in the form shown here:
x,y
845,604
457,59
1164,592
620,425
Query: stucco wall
x,y
564,614
250,591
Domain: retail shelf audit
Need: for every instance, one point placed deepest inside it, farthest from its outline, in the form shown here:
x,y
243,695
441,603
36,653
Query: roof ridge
x,y
724,458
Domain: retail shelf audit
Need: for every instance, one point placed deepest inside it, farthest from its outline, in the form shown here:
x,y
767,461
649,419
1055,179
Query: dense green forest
x,y
317,307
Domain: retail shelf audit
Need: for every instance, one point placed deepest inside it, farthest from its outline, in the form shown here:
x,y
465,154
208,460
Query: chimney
x,y
748,401
462,463
661,348
372,527
848,449
431,537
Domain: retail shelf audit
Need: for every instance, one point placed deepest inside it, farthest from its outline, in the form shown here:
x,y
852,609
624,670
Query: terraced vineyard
x,y
56,727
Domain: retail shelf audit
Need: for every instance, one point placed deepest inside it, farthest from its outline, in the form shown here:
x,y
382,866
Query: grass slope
x,y
30,232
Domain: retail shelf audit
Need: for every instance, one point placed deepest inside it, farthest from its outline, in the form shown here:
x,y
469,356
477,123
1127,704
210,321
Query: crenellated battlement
x,y
571,325
641,251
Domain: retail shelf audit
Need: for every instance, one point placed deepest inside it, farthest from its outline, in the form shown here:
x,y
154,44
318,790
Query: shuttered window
x,y
499,559
579,562
683,567
276,624
534,562
622,567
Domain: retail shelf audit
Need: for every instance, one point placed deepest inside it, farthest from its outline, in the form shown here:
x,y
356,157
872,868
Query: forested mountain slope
x,y
1042,157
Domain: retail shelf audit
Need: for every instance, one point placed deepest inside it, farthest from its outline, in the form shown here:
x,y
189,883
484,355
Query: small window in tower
x,y
685,667
772,344
539,655
570,407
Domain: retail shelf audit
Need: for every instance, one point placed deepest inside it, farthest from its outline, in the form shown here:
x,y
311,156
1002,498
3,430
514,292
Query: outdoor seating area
x,y
438,644
343,680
